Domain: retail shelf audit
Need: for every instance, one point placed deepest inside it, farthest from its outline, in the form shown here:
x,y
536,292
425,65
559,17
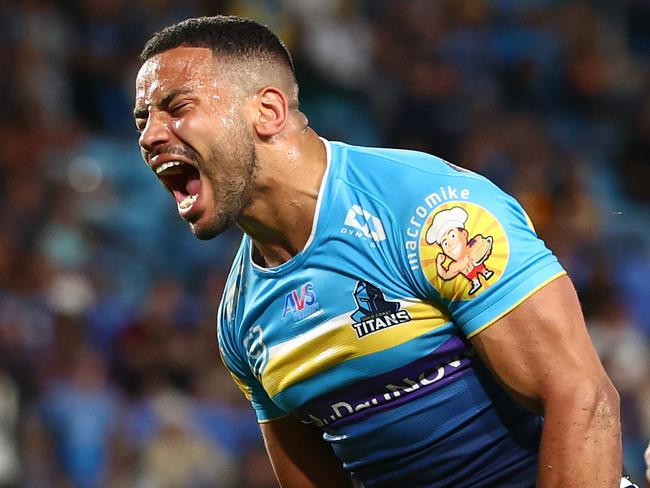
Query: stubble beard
x,y
232,181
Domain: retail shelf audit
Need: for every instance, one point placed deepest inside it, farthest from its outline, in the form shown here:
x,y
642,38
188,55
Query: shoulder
x,y
393,175
374,165
397,183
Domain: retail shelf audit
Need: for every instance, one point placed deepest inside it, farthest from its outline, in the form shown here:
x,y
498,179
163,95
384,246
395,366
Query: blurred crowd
x,y
109,371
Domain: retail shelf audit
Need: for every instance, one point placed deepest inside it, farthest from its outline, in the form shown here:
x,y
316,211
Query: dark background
x,y
109,372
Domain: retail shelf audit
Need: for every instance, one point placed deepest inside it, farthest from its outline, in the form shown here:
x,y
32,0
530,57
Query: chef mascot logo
x,y
463,250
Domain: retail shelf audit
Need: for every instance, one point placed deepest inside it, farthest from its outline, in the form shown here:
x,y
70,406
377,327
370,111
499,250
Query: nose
x,y
156,132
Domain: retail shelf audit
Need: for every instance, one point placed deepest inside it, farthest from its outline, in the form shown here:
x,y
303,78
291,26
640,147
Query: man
x,y
363,364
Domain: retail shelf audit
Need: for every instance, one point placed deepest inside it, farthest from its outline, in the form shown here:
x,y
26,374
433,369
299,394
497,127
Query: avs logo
x,y
374,312
365,225
301,302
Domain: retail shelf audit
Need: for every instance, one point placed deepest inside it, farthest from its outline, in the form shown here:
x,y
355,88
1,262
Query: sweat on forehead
x,y
200,65
181,62
179,69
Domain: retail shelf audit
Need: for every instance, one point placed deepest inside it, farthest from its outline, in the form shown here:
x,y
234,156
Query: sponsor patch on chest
x,y
374,312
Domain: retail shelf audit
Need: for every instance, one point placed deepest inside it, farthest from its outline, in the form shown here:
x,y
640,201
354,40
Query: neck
x,y
281,214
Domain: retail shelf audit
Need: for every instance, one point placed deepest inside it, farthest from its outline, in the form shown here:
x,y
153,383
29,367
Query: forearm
x,y
581,440
300,457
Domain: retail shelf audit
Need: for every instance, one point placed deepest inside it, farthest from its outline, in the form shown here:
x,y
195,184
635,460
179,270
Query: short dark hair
x,y
227,35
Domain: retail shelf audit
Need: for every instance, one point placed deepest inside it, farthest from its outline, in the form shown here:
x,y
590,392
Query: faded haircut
x,y
229,36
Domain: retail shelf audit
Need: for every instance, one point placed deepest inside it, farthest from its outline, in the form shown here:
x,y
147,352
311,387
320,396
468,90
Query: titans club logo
x,y
374,312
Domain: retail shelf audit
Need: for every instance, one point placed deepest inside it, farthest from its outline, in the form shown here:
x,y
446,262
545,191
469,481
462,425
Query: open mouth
x,y
183,181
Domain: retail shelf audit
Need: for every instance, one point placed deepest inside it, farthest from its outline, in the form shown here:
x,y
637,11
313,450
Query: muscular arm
x,y
300,457
454,269
542,354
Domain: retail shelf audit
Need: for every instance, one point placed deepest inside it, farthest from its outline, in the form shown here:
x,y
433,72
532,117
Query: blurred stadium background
x,y
109,373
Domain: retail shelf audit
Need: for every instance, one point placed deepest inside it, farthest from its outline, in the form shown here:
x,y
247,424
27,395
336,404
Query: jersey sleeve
x,y
233,355
472,247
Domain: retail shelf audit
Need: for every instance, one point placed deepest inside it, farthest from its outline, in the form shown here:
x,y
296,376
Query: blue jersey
x,y
364,333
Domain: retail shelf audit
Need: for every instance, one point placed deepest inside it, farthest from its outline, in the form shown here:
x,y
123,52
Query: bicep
x,y
300,457
541,347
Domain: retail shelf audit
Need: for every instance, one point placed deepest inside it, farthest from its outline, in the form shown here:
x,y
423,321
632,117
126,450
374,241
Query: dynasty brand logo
x,y
374,312
301,302
365,225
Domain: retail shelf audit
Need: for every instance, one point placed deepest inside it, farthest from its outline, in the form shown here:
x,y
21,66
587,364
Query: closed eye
x,y
178,108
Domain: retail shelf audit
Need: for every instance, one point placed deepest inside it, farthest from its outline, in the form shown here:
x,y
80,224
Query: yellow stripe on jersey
x,y
336,341
245,389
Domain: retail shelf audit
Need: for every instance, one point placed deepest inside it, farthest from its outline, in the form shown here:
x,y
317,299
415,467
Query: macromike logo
x,y
374,312
366,224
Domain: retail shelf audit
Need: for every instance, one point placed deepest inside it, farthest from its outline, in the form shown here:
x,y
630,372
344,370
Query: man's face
x,y
453,242
194,136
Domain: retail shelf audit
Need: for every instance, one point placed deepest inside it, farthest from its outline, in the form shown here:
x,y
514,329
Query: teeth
x,y
166,166
188,201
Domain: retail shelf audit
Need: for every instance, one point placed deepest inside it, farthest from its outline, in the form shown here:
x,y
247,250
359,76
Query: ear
x,y
271,111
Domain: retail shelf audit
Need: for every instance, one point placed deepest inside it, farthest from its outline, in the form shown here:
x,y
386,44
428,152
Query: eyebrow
x,y
141,113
